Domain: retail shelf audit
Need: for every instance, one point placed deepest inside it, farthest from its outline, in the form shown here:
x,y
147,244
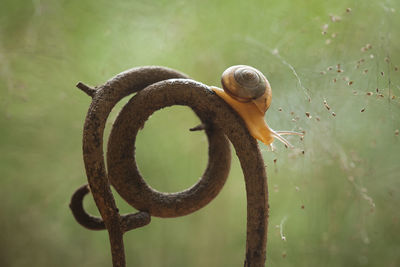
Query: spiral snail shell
x,y
244,83
249,93
247,84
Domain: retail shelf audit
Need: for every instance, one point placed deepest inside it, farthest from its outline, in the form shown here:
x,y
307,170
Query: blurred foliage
x,y
335,204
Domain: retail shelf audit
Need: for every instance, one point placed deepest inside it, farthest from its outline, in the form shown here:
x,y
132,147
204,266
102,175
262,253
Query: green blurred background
x,y
335,205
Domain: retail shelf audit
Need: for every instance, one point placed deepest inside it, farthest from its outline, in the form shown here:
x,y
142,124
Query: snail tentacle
x,y
289,133
271,147
280,138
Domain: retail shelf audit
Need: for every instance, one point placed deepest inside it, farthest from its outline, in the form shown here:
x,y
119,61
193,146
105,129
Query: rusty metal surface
x,y
160,87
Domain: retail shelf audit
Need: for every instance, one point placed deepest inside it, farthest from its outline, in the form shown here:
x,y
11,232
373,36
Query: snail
x,y
248,92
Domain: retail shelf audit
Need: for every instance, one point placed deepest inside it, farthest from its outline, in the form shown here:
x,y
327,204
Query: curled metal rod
x,y
128,221
161,87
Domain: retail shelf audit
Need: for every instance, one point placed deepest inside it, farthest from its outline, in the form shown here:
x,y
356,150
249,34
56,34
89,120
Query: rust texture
x,y
159,87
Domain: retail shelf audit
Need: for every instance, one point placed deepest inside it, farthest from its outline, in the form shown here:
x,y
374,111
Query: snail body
x,y
249,93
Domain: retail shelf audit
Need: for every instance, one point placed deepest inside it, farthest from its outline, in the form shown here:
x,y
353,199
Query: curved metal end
x,y
128,222
80,215
87,89
199,127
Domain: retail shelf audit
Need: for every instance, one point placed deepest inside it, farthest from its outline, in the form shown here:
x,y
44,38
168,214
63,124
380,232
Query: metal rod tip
x,y
87,89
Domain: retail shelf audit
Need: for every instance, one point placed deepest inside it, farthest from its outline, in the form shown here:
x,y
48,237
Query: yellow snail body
x,y
248,92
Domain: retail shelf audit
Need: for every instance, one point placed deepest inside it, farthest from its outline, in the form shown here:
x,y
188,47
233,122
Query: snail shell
x,y
245,84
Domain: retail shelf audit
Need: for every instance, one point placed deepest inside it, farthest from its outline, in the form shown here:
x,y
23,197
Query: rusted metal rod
x,y
161,87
